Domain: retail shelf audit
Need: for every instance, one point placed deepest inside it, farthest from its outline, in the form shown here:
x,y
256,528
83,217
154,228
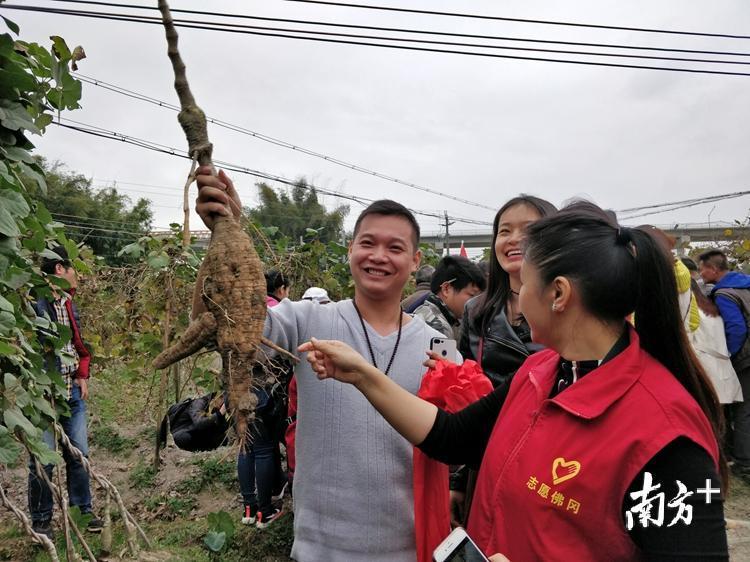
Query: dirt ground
x,y
172,505
180,464
737,513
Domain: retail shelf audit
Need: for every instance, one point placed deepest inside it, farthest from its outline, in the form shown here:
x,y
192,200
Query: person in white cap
x,y
316,294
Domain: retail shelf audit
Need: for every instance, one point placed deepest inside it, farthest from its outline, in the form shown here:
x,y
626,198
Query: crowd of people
x,y
619,377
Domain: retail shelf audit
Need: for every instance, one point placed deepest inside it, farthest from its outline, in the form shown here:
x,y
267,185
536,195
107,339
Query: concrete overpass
x,y
685,234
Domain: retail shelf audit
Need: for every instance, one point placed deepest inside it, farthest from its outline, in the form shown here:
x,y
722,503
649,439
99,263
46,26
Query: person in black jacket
x,y
493,331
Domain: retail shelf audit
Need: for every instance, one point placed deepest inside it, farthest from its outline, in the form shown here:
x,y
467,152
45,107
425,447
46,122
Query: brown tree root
x,y
132,529
48,545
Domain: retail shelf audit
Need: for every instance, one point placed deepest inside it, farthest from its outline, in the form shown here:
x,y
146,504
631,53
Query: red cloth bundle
x,y
451,388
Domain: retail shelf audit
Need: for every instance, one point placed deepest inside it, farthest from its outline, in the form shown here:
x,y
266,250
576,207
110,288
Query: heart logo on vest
x,y
563,470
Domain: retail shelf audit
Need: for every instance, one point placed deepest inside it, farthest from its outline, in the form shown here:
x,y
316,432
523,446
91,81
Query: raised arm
x,y
412,417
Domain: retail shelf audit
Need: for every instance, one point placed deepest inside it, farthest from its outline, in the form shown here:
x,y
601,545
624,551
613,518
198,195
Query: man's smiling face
x,y
382,256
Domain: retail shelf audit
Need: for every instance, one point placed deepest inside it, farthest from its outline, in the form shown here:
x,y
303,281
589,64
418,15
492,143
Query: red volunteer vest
x,y
555,471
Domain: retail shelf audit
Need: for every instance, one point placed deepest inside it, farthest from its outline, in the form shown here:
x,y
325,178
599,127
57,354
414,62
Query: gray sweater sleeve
x,y
287,324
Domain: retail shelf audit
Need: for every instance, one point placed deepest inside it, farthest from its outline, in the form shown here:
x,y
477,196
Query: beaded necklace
x,y
369,344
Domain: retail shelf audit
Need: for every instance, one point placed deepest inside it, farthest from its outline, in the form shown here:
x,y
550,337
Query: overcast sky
x,y
483,129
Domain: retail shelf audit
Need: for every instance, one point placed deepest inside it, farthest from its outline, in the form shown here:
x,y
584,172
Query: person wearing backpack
x,y
731,293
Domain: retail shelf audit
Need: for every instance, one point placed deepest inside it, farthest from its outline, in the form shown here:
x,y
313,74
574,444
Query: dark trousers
x,y
79,491
259,467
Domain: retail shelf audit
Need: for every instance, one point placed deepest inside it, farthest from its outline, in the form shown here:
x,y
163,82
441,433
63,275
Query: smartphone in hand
x,y
444,347
458,547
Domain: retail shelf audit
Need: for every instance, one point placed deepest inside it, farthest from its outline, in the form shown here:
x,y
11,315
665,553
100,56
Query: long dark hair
x,y
618,271
708,306
498,283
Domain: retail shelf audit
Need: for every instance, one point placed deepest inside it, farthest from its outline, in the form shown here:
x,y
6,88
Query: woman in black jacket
x,y
493,331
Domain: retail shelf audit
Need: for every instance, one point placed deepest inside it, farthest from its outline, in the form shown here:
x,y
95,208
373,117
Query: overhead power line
x,y
409,30
676,205
95,219
708,198
164,149
524,20
412,31
101,229
97,236
281,143
292,35
98,131
224,26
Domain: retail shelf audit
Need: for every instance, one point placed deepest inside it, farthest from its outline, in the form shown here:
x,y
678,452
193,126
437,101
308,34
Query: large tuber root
x,y
201,331
234,288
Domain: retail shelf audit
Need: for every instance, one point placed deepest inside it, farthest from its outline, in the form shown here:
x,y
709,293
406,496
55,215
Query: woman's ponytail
x,y
661,329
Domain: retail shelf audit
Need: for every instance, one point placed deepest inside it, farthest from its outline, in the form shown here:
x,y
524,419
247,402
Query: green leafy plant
x,y
34,82
142,476
210,472
221,531
107,438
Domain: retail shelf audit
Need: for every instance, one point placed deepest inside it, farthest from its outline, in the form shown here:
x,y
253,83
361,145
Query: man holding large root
x,y
353,484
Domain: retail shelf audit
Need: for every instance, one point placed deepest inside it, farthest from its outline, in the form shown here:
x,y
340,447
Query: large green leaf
x,y
60,47
14,202
14,116
15,78
134,250
221,522
215,541
34,172
159,261
42,214
42,452
8,225
36,241
13,26
15,278
5,304
7,322
17,154
42,405
13,417
6,45
10,450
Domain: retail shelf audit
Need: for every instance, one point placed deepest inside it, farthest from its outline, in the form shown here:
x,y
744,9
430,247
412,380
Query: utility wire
x,y
99,229
103,133
98,131
414,31
689,203
95,219
142,19
281,143
706,199
221,27
522,20
98,237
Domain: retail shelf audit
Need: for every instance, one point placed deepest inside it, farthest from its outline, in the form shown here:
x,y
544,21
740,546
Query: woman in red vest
x,y
603,446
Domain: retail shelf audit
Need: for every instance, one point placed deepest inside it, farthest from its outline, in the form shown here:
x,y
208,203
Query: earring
x,y
554,307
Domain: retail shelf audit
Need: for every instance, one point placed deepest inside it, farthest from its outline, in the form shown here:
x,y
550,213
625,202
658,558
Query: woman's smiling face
x,y
510,234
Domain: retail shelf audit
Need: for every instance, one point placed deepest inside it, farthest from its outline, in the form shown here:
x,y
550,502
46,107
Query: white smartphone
x,y
458,547
444,347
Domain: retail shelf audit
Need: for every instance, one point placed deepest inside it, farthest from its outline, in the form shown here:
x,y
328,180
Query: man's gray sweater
x,y
353,490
